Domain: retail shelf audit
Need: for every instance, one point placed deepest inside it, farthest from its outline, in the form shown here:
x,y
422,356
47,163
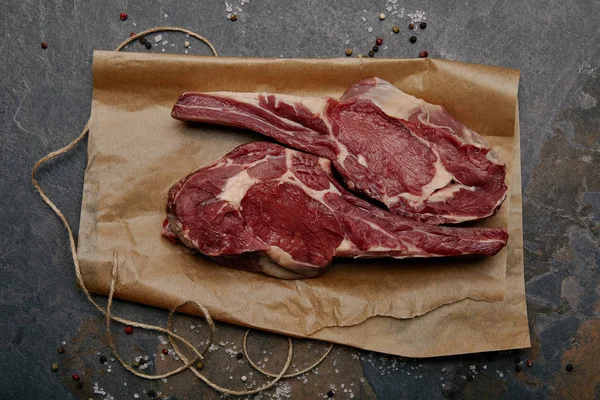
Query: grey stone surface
x,y
45,101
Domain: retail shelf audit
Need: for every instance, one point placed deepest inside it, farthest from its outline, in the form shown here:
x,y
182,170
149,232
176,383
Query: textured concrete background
x,y
45,100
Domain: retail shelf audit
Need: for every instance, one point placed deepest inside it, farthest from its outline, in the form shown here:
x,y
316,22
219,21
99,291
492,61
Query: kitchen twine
x,y
173,337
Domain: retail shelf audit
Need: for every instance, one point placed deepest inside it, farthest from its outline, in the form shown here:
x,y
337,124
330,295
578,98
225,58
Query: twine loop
x,y
173,337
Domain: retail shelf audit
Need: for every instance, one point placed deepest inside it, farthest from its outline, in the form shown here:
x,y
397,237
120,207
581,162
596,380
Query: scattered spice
x,y
371,53
135,364
423,54
375,48
395,29
529,363
142,40
233,17
165,351
151,393
79,385
55,367
382,16
148,45
518,368
423,25
199,364
331,393
103,359
518,360
186,44
379,41
348,51
569,367
411,26
129,329
60,349
239,356
123,16
244,378
413,39
75,377
132,34
44,45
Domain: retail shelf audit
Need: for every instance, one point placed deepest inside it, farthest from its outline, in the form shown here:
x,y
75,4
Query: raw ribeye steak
x,y
267,208
411,155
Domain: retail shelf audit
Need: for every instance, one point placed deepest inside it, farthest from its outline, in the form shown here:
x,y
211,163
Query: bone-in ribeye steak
x,y
267,208
411,155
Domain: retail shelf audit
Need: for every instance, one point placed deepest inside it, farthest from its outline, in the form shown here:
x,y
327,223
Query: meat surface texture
x,y
267,208
410,155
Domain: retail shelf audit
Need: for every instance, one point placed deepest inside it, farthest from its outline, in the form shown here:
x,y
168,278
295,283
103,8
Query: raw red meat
x,y
266,208
411,155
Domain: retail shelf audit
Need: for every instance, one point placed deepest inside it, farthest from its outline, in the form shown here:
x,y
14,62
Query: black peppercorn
x,y
239,356
142,40
569,367
151,393
413,39
103,359
518,360
518,368
371,53
423,25
331,393
375,48
148,45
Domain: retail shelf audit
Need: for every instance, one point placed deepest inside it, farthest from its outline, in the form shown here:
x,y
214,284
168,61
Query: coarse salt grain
x,y
370,29
158,38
